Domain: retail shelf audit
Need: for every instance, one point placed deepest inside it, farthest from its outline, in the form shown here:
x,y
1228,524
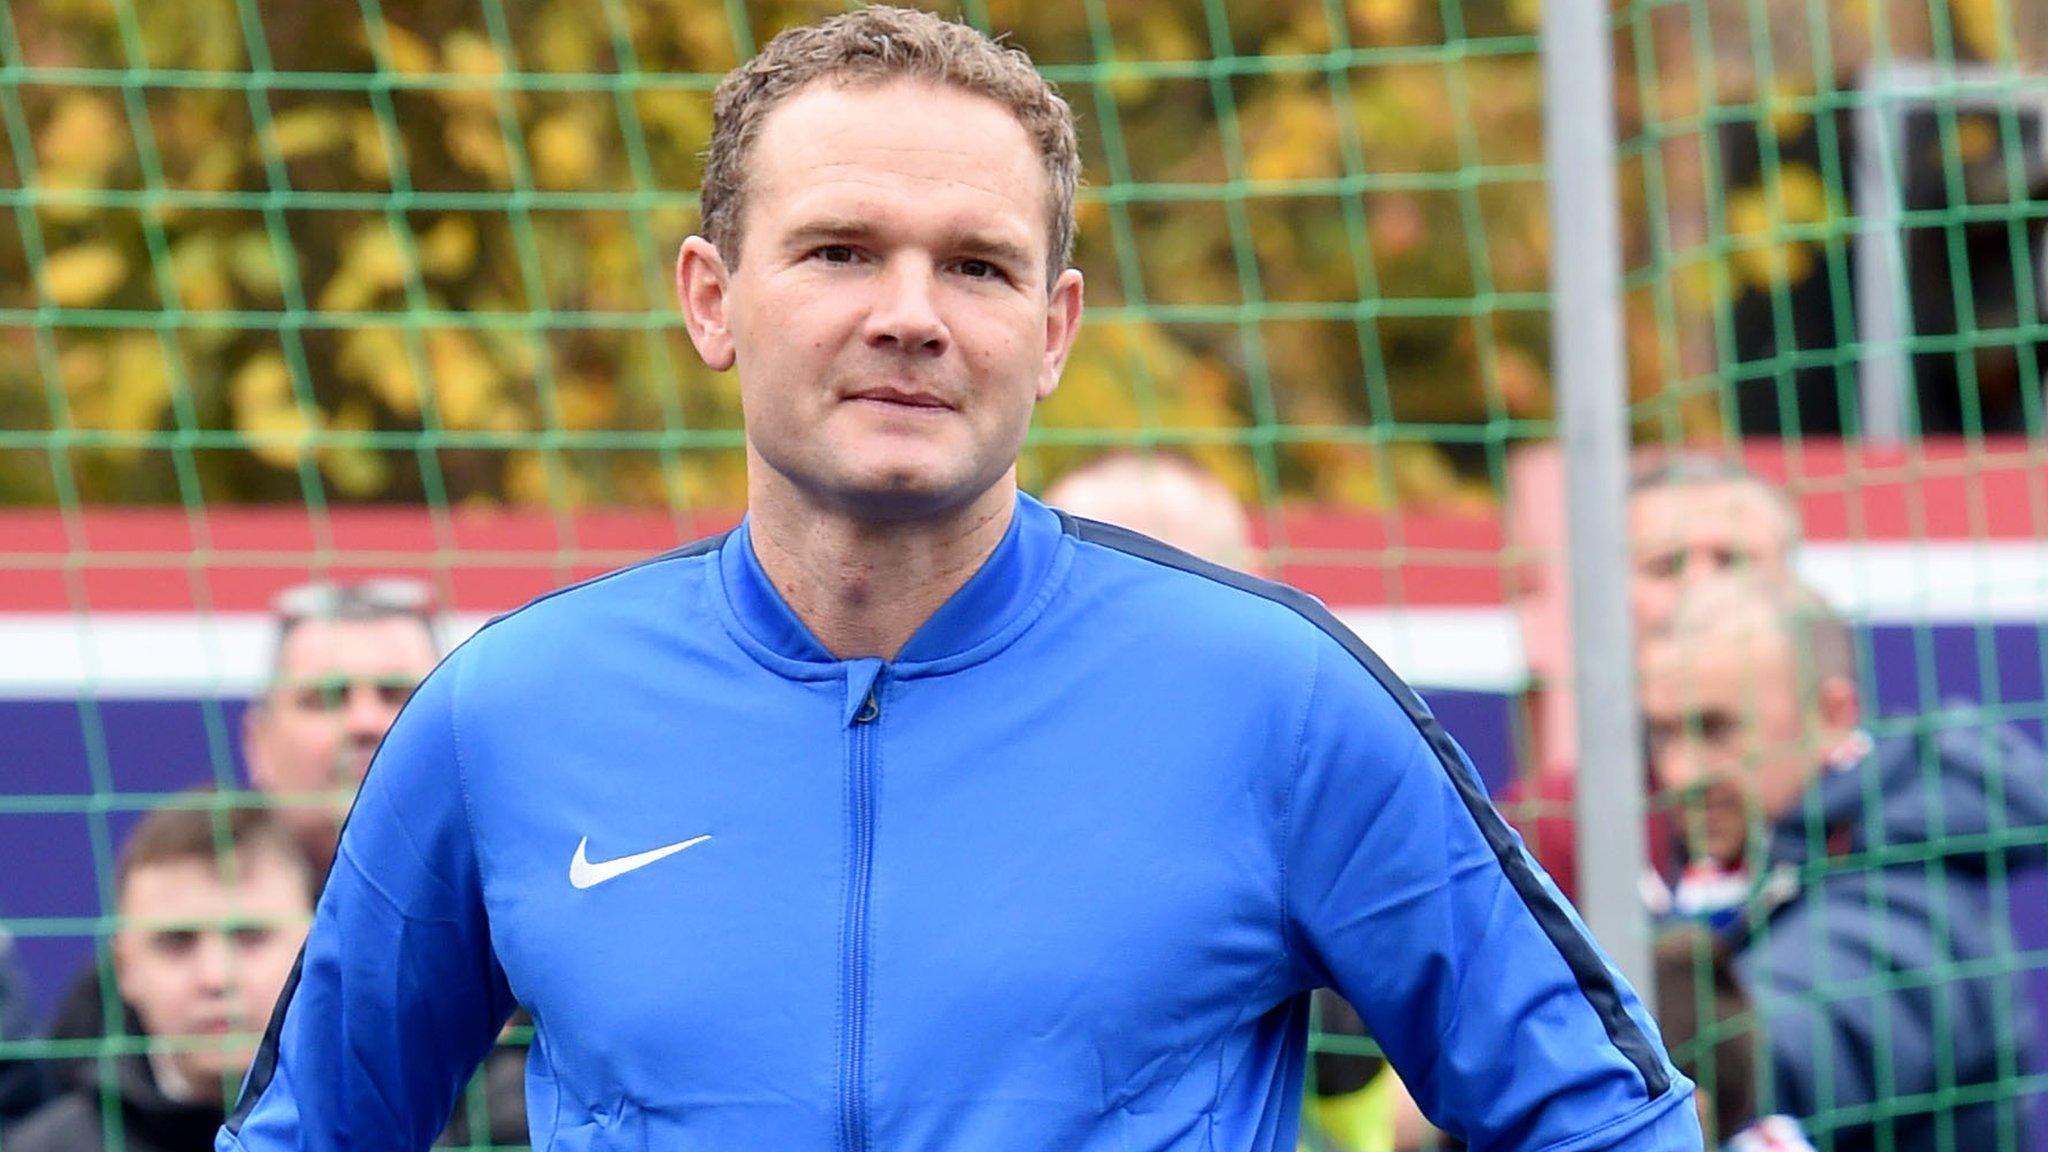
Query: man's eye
x,y
1661,564
1717,727
318,698
175,943
980,270
251,936
835,254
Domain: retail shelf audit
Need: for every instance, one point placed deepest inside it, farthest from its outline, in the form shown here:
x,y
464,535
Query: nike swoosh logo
x,y
584,874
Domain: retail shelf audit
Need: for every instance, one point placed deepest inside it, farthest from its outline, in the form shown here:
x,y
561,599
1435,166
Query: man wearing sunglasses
x,y
348,657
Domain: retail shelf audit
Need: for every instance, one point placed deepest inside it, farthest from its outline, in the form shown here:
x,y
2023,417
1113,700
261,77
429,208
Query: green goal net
x,y
316,292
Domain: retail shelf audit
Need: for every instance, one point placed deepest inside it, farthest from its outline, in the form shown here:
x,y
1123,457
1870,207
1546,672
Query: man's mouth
x,y
900,398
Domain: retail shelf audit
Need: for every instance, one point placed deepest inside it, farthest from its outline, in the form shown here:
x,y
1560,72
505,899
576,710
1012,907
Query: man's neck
x,y
864,587
175,1085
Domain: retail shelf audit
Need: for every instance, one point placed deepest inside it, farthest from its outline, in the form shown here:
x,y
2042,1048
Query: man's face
x,y
1727,732
1681,535
889,318
203,958
340,684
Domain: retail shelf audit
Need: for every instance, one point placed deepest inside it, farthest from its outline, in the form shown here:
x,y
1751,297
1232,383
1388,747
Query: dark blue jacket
x,y
1886,979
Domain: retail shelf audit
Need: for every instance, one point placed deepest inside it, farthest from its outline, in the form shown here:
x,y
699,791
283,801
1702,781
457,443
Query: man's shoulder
x,y
1140,574
654,585
1179,608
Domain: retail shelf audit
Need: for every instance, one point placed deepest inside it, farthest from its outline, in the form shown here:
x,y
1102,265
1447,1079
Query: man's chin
x,y
217,1075
900,493
1728,849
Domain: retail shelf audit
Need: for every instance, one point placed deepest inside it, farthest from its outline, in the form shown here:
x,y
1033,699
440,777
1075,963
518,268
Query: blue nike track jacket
x,y
1059,878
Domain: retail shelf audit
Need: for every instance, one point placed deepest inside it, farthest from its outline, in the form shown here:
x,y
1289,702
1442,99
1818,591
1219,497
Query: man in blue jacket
x,y
913,814
1864,885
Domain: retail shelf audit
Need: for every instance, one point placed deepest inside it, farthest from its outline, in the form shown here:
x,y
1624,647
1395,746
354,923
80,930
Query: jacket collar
x,y
154,1120
997,603
1838,792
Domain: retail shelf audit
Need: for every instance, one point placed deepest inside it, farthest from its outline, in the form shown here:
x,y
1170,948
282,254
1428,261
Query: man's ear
x,y
1841,703
255,744
1062,324
117,951
701,283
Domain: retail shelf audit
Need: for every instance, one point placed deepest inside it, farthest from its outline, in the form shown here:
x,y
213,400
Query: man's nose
x,y
905,316
365,714
1674,766
215,965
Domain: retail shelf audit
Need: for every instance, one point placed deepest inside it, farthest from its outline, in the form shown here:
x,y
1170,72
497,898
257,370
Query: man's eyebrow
x,y
995,248
828,230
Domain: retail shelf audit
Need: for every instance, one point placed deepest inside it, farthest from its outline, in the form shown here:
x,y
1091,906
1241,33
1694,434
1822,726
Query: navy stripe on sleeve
x,y
265,1065
1594,978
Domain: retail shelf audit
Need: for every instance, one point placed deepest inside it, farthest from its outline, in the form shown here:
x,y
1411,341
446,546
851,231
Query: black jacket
x,y
82,1015
150,1122
21,1081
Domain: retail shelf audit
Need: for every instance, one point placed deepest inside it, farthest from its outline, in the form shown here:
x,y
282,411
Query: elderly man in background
x,y
1693,519
348,657
1861,884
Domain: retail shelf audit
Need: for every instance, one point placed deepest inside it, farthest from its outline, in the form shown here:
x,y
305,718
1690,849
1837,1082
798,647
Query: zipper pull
x,y
870,710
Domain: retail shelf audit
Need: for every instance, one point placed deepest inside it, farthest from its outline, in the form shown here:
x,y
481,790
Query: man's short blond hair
x,y
872,46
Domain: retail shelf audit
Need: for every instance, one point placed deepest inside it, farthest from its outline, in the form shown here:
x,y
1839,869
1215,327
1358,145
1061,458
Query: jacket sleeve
x,y
1407,893
397,995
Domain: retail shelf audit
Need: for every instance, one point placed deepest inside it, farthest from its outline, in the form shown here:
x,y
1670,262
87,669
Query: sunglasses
x,y
353,599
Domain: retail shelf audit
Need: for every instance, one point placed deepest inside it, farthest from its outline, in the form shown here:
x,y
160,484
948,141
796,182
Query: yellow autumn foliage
x,y
372,263
123,386
465,382
84,138
448,248
303,131
380,361
507,210
357,472
83,276
565,151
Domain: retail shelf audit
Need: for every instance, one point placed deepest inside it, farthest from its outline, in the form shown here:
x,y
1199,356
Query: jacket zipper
x,y
853,1105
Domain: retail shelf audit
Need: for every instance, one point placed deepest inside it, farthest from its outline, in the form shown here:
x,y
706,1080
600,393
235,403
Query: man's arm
x,y
397,995
1408,893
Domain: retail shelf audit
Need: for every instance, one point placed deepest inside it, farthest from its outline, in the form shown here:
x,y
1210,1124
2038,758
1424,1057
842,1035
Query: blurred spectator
x,y
1353,1096
1164,495
1709,1027
213,907
348,656
1861,885
1692,519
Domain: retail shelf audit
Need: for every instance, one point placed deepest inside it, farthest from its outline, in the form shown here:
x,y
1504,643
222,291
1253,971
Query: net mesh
x,y
317,290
